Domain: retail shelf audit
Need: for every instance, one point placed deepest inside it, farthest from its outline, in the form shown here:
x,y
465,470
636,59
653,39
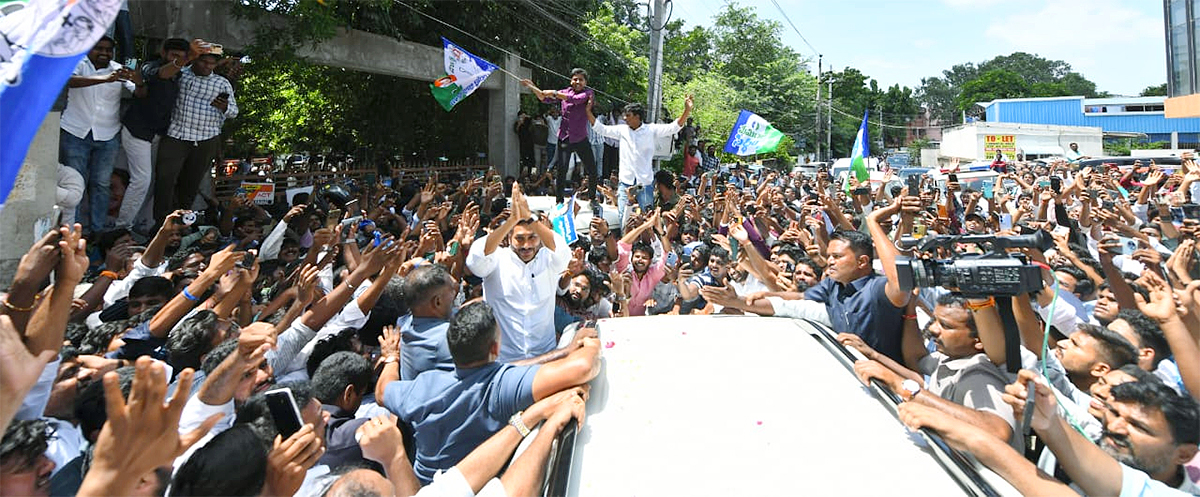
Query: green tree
x,y
686,54
992,85
1033,68
1155,91
944,95
742,41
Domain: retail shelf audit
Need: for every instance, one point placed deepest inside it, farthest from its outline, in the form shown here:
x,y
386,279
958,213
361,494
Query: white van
x,y
746,405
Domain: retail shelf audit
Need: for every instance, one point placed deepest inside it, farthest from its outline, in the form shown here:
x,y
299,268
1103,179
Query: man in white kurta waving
x,y
520,280
637,140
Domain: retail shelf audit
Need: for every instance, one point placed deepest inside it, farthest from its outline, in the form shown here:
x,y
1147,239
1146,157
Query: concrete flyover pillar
x,y
503,104
32,198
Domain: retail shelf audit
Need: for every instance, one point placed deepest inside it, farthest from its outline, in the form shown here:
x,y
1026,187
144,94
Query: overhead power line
x,y
789,21
485,42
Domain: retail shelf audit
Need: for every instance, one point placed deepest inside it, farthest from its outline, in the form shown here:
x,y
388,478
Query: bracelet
x,y
14,308
519,424
390,359
112,275
973,306
352,286
910,317
188,295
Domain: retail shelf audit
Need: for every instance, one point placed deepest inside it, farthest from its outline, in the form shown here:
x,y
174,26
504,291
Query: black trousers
x,y
562,158
180,168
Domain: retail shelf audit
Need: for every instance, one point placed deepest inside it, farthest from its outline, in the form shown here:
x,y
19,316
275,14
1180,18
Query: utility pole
x,y
654,82
829,124
879,116
817,107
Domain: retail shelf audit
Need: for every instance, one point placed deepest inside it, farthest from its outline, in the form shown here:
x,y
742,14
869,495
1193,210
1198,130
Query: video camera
x,y
993,273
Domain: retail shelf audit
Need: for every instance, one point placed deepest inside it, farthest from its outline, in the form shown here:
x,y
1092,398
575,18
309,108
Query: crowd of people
x,y
423,329
160,122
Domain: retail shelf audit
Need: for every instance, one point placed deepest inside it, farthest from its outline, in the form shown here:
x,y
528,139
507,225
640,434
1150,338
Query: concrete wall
x,y
350,49
32,197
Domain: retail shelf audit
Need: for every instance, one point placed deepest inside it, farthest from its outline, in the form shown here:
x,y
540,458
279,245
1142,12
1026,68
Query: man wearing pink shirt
x,y
638,257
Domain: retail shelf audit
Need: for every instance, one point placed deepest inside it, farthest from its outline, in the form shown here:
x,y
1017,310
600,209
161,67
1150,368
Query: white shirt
x,y
552,123
94,109
637,148
452,483
801,309
521,295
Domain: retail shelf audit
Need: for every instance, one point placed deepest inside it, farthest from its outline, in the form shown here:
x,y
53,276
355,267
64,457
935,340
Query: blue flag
x,y
42,43
563,220
751,135
464,73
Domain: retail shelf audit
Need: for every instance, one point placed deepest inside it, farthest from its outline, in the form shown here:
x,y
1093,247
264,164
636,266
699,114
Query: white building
x,y
980,140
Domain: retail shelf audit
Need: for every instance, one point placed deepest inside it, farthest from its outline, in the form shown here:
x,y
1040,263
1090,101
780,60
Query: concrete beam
x,y
350,49
32,198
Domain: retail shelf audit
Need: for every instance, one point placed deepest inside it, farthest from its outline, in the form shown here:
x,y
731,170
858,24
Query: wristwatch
x,y
912,387
519,424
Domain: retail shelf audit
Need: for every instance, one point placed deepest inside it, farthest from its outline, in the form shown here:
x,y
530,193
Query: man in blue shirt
x,y
429,291
452,412
858,300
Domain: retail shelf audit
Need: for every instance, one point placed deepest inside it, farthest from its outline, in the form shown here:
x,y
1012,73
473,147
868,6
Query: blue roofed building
x,y
1118,117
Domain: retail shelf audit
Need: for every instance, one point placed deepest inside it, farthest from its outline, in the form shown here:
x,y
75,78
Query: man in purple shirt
x,y
573,132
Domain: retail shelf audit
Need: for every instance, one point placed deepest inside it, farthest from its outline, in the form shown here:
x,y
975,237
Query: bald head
x,y
361,483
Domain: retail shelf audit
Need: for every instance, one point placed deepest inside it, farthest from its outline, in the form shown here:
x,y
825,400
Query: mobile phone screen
x,y
283,409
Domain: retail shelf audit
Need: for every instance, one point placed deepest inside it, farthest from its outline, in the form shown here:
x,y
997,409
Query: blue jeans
x,y
645,198
550,148
94,160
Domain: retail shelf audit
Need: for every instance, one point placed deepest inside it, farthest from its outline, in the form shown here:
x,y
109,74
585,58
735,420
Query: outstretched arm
x,y
687,111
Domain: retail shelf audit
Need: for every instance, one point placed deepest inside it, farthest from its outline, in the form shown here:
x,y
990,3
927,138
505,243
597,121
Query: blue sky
x,y
1118,44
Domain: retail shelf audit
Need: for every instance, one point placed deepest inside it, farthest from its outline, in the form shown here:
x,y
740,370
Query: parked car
x,y
742,405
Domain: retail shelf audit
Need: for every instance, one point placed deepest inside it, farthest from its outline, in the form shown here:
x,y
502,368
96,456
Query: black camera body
x,y
1001,276
995,273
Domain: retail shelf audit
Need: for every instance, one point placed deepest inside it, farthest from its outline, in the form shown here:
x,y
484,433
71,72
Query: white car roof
x,y
740,405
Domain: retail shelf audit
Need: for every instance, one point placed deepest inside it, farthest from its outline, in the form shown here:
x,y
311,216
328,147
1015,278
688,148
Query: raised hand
x,y
73,259
142,432
389,343
290,459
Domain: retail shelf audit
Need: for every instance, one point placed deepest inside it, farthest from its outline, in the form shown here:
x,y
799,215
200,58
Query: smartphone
x,y
283,409
598,210
1044,183
952,178
188,218
247,262
987,189
1005,222
733,249
673,258
452,249
1126,245
1177,215
223,95
1191,211
352,207
1061,230
1056,184
914,185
